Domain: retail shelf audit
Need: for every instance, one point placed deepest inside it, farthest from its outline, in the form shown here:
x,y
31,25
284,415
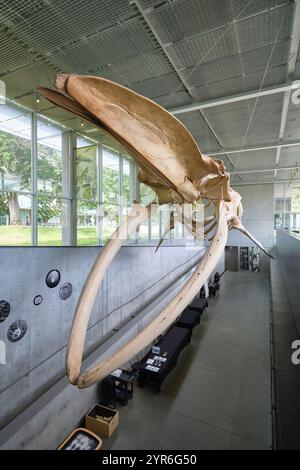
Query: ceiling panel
x,y
286,175
258,177
199,130
231,122
92,53
180,98
231,86
48,24
292,128
19,83
258,32
139,68
290,156
254,160
177,20
239,66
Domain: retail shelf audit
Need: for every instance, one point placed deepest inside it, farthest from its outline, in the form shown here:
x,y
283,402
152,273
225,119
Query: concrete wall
x,y
258,203
37,406
288,254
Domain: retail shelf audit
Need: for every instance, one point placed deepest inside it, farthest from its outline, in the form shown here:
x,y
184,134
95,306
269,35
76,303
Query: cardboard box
x,y
102,427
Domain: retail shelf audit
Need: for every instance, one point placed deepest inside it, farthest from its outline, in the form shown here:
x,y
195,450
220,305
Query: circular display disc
x,y
4,310
65,291
53,278
38,300
17,331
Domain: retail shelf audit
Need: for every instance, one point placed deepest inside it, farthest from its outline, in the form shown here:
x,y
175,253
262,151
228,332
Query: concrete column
x,y
34,208
69,209
100,193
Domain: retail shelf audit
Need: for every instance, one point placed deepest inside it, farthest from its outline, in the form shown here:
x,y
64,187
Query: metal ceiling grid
x,y
199,130
60,22
11,54
285,175
258,177
137,69
158,87
14,12
150,88
179,98
292,126
262,29
238,65
29,101
190,51
25,81
153,3
290,156
180,19
248,35
56,114
118,44
231,121
232,86
234,179
254,160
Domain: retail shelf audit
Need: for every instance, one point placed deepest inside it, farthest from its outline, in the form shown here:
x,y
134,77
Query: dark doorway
x,y
231,258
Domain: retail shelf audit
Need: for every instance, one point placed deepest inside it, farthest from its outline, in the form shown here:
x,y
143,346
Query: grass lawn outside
x,y
20,235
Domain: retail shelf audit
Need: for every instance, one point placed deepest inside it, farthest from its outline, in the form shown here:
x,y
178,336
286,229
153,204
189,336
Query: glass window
x,y
110,220
52,220
278,220
88,223
279,204
52,195
49,158
15,149
147,195
144,231
111,176
165,212
15,219
111,192
295,200
86,172
128,190
155,231
87,181
15,176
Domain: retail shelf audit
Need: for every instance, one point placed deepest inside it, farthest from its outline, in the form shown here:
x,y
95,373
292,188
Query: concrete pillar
x,y
69,206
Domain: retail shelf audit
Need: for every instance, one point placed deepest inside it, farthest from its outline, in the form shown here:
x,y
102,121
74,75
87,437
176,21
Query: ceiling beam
x,y
262,170
284,87
144,14
263,182
254,148
293,52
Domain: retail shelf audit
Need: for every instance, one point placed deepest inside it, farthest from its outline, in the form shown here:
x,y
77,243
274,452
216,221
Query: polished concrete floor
x,y
219,394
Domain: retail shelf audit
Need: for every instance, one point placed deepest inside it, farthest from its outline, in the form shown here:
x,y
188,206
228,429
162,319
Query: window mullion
x,y
34,204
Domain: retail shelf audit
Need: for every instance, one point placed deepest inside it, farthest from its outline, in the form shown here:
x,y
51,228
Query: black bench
x,y
199,305
189,319
171,344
